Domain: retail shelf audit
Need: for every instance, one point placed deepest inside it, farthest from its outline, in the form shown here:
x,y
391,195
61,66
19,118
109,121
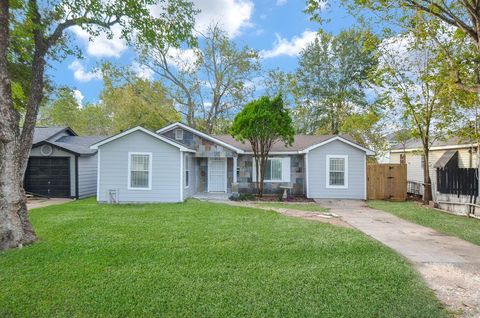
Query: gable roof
x,y
46,133
414,144
301,143
201,134
146,131
77,144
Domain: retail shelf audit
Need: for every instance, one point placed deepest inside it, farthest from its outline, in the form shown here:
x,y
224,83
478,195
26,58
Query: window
x,y
403,158
179,134
140,169
277,170
187,170
273,171
337,171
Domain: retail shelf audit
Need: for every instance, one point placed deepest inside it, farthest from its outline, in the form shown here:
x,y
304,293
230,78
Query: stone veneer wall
x,y
204,148
297,176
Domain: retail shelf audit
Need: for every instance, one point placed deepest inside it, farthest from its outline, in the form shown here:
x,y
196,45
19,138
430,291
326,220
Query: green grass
x,y
310,207
201,259
459,226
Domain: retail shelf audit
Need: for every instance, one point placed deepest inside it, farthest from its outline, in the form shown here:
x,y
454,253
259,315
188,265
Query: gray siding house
x,y
178,162
61,164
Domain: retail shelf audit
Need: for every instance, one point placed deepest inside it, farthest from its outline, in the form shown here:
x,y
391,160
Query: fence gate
x,y
387,182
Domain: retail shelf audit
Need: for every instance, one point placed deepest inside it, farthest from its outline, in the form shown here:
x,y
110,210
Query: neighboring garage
x,y
48,177
61,164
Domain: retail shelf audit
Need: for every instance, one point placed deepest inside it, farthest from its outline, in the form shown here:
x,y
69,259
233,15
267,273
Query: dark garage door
x,y
48,176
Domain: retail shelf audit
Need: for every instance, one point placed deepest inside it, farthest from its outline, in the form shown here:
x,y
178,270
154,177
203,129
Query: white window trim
x,y
185,169
281,173
327,169
281,180
149,154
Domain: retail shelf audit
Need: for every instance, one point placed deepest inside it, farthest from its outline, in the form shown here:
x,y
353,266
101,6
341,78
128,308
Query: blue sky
x,y
277,28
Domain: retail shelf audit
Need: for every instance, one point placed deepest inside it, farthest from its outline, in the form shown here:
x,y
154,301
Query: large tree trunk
x,y
15,227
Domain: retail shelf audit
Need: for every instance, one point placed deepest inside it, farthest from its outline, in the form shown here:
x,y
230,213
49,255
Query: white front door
x,y
217,175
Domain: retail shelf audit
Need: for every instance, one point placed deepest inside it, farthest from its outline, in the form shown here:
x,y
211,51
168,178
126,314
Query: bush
x,y
242,197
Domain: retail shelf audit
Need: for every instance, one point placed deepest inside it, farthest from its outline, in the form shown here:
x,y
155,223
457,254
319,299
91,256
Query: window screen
x,y
273,170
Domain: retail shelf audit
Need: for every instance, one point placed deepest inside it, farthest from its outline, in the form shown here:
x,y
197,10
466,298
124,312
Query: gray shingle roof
x,y
301,142
78,144
45,133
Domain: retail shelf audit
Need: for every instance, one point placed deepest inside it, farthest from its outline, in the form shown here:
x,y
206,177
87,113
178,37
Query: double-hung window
x,y
139,171
337,171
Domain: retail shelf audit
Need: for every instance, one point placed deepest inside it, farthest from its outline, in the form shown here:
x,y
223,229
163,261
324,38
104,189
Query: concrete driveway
x,y
449,265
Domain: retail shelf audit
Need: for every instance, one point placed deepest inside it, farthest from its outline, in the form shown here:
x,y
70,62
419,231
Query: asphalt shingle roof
x,y
301,142
45,133
78,144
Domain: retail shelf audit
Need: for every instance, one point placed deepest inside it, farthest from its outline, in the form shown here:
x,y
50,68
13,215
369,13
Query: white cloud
x,y
101,45
78,97
81,75
142,71
182,59
290,47
281,2
231,15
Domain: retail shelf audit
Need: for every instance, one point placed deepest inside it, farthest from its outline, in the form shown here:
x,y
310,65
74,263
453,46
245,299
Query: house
x,y
61,164
443,153
178,162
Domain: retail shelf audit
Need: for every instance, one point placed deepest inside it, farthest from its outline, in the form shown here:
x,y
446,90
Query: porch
x,y
215,175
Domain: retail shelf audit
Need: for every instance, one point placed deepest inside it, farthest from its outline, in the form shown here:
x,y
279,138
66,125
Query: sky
x,y
278,29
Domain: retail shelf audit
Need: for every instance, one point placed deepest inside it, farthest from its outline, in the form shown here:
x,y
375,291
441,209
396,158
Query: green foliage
x,y
199,259
131,101
263,121
126,102
331,80
242,197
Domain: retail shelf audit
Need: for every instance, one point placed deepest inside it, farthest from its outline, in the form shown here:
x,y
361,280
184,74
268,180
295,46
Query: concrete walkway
x,y
449,265
41,202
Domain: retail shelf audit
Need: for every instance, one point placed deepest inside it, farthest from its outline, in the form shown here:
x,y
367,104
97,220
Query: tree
x,y
210,83
63,110
413,80
131,101
41,26
463,16
331,79
263,122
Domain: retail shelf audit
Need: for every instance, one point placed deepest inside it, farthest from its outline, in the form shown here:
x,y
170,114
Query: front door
x,y
217,175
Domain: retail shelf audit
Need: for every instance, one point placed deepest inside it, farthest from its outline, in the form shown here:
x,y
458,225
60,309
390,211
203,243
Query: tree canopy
x,y
263,122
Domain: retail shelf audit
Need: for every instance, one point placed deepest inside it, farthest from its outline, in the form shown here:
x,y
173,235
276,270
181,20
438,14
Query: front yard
x,y
202,259
459,226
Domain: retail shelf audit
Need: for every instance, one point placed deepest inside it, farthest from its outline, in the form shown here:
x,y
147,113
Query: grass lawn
x,y
460,226
201,259
310,207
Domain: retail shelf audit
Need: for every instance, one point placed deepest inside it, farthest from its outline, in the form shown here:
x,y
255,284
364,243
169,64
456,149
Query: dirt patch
x,y
456,285
323,217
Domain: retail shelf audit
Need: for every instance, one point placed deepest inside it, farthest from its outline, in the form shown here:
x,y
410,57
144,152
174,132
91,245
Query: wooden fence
x,y
459,181
387,182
